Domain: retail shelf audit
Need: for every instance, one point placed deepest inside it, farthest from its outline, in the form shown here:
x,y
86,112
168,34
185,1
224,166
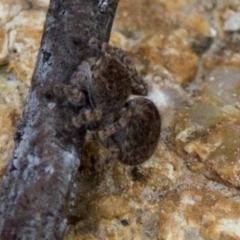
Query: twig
x,y
36,188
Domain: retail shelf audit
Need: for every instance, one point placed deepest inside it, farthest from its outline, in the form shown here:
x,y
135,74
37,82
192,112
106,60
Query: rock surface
x,y
188,53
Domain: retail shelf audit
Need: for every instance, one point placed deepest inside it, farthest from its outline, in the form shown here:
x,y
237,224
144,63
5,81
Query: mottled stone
x,y
197,24
232,23
10,110
109,207
39,4
188,189
9,9
3,46
223,86
201,209
24,39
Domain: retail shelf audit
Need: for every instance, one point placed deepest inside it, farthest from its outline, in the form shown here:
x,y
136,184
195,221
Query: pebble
x,y
232,23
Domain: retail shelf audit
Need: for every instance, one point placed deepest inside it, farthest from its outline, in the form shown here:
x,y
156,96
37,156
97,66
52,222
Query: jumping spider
x,y
128,129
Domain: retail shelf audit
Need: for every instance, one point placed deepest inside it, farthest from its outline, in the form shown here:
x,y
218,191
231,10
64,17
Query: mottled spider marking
x,y
129,130
86,116
102,134
137,84
109,80
135,142
74,96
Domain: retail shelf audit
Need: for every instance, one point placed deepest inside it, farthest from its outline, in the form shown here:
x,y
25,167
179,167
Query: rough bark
x,y
36,188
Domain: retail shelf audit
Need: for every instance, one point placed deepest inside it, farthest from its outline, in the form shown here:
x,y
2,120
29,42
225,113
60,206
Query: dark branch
x,y
36,188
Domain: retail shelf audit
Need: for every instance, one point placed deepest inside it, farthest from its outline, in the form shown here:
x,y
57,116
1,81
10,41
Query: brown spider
x,y
129,129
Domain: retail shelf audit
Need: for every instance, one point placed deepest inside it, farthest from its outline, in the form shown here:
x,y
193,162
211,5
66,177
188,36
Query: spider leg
x,y
86,116
79,83
74,95
112,128
139,87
